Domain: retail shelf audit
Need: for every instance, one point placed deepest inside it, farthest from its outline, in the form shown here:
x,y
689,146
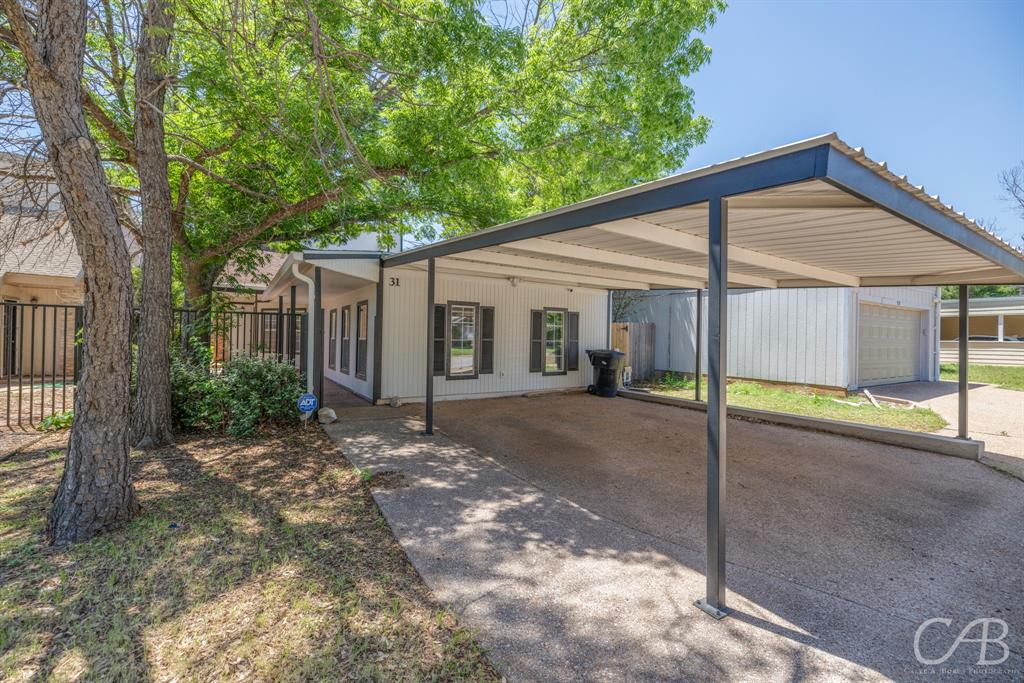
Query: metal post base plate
x,y
715,612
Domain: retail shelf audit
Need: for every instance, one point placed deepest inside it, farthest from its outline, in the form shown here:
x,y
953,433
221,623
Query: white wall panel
x,y
806,336
791,335
404,334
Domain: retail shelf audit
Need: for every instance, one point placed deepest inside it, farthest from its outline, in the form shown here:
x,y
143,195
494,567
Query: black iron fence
x,y
275,333
41,358
40,361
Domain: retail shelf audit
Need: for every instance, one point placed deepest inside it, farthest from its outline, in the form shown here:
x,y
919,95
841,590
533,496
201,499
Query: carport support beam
x,y
696,345
962,347
429,430
718,297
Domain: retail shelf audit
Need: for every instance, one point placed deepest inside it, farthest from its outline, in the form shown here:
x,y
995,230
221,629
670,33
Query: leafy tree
x,y
981,291
316,120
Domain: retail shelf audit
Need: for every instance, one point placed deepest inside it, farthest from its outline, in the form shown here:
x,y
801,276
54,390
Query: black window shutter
x,y
536,341
440,324
573,339
486,340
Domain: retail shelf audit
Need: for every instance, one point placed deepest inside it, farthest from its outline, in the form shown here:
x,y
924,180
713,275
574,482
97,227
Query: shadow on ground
x,y
569,531
260,559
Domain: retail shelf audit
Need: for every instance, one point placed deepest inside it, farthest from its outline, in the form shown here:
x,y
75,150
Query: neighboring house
x,y
493,336
831,337
995,328
244,288
40,285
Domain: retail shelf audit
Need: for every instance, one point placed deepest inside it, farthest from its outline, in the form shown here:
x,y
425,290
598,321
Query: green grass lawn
x,y
257,559
805,401
1005,376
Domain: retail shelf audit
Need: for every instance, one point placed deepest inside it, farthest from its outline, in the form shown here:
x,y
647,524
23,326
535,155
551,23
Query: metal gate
x,y
39,363
40,354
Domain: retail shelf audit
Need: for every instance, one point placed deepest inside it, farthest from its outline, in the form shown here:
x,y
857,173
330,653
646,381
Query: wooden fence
x,y
636,340
985,352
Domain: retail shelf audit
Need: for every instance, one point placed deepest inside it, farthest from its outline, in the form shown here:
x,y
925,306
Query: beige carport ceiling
x,y
815,213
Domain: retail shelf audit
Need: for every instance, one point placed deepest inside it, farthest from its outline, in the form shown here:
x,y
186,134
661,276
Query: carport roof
x,y
813,213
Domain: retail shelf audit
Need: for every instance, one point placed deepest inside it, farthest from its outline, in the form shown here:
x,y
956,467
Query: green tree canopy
x,y
981,291
313,120
305,120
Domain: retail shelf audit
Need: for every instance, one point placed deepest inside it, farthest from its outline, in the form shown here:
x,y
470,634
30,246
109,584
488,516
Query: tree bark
x,y
200,277
151,416
95,491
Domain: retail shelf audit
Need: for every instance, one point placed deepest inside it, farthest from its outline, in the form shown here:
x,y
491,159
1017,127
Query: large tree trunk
x,y
151,425
95,491
200,277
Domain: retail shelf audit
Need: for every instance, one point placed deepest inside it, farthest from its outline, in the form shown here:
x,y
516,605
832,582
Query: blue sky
x,y
936,89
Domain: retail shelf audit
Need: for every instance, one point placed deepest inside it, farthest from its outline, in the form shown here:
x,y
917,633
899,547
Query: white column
x,y
1000,326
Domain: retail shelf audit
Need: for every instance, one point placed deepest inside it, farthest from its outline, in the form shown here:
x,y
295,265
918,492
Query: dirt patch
x,y
259,559
387,479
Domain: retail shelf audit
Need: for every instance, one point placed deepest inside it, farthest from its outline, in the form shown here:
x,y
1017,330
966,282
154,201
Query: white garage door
x,y
890,345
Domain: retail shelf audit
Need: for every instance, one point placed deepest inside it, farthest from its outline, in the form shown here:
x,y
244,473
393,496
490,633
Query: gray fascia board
x,y
855,178
786,169
330,255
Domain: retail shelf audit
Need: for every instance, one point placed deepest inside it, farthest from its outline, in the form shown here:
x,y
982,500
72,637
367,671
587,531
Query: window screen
x,y
554,342
462,340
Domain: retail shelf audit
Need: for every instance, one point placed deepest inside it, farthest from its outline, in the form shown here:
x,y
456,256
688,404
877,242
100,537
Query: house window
x,y
462,344
362,309
346,337
554,341
463,340
332,339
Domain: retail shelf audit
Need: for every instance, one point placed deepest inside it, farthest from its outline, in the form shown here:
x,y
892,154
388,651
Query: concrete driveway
x,y
568,532
995,415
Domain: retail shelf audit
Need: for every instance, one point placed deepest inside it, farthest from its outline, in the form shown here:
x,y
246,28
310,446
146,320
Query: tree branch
x,y
108,125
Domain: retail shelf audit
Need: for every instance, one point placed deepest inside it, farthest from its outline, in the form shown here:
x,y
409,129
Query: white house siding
x,y
404,333
795,335
336,300
805,336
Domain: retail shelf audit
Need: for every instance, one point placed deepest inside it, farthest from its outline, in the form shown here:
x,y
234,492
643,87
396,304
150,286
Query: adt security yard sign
x,y
307,403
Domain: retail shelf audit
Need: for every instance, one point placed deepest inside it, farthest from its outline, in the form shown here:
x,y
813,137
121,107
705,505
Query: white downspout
x,y
311,296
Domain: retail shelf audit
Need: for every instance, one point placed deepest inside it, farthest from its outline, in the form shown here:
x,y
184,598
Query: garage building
x,y
831,337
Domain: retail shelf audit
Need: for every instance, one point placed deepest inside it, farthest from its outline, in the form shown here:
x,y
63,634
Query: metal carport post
x,y
718,299
429,417
964,353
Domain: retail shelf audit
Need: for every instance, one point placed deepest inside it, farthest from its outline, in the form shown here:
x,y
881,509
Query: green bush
x,y
52,423
246,394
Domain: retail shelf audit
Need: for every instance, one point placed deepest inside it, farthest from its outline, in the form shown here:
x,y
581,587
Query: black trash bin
x,y
607,366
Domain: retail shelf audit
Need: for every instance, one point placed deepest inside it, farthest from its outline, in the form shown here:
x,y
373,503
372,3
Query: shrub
x,y
248,392
57,421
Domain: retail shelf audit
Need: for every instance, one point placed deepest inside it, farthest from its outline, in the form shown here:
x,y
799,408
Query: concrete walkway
x,y
557,591
995,416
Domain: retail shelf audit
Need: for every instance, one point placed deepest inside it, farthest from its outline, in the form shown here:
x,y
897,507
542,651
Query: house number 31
x,y
393,282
